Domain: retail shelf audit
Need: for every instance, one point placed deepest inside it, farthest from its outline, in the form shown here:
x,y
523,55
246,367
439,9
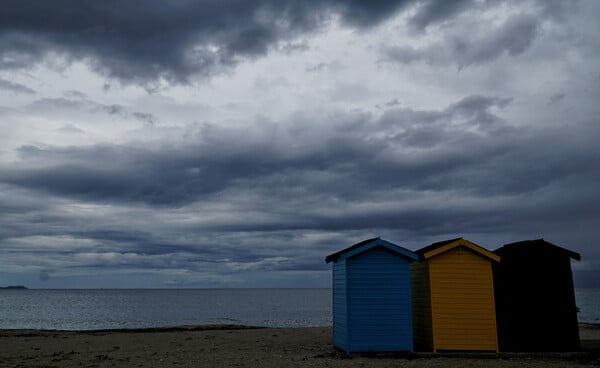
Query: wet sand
x,y
230,346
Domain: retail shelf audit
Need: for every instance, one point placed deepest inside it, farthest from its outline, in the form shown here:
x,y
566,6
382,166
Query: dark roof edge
x,y
435,245
336,255
576,256
406,252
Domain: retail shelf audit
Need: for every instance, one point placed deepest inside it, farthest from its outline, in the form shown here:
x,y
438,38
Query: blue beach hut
x,y
372,309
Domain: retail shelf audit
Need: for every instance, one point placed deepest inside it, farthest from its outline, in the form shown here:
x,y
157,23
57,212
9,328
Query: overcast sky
x,y
237,143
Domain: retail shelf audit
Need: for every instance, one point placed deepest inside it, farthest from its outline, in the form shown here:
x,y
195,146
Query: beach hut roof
x,y
368,244
538,245
446,245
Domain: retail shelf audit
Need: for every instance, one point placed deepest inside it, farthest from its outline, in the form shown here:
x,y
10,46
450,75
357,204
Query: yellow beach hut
x,y
453,297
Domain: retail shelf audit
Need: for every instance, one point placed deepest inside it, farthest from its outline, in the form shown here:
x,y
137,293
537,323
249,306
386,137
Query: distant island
x,y
14,287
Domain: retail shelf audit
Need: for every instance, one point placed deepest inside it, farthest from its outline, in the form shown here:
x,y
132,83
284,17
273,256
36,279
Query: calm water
x,y
102,309
588,302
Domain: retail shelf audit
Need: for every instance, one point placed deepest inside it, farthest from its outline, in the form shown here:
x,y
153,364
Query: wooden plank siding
x,y
379,303
462,301
340,306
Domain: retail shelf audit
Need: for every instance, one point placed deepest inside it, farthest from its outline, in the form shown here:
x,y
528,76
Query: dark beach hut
x,y
371,297
535,298
453,297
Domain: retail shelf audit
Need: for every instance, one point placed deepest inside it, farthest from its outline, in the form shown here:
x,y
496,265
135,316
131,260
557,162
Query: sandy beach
x,y
220,346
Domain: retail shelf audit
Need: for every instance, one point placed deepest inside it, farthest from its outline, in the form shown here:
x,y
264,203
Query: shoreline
x,y
213,327
209,327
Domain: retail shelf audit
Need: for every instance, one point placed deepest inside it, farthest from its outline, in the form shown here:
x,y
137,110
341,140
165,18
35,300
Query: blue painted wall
x,y
340,306
372,309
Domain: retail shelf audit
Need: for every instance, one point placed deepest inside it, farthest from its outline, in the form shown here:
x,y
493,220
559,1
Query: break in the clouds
x,y
210,143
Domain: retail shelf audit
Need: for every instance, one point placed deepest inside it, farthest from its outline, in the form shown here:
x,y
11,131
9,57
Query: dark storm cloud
x,y
78,102
70,129
146,242
556,98
432,11
141,42
15,87
114,109
74,94
54,103
557,9
145,117
511,38
293,179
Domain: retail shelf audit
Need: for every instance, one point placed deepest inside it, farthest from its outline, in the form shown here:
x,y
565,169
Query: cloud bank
x,y
211,144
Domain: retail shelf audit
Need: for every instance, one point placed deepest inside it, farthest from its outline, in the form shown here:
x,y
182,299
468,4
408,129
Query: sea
x,y
98,309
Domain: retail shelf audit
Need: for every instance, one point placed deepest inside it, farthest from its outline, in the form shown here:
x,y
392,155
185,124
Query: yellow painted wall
x,y
462,301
